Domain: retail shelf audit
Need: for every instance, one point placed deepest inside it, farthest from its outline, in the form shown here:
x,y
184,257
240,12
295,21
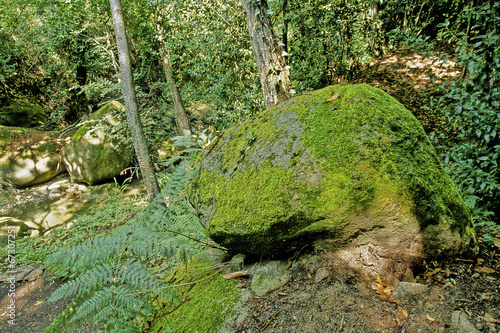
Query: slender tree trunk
x,y
128,89
285,26
274,74
180,112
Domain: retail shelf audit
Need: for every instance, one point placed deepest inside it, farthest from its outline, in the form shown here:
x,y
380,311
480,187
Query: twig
x,y
341,323
269,321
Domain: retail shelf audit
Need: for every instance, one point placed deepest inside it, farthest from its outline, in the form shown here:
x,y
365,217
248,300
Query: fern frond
x,y
90,281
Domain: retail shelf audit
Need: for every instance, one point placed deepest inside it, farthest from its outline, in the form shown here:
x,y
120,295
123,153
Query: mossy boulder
x,y
28,156
346,166
22,114
101,148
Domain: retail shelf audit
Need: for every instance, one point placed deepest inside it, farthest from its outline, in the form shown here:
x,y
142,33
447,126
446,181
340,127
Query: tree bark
x,y
128,89
180,112
273,73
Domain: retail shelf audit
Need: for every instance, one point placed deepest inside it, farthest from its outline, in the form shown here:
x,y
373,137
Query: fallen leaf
x,y
402,312
235,275
334,97
437,270
496,241
486,270
429,318
37,303
489,319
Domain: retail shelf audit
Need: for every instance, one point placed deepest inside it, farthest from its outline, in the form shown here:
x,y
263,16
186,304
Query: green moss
x,y
208,301
110,107
316,162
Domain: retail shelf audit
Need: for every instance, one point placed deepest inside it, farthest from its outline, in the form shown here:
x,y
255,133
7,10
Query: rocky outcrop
x,y
28,157
345,169
22,114
101,148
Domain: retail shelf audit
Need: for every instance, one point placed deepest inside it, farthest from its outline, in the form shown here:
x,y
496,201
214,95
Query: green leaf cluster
x,y
471,104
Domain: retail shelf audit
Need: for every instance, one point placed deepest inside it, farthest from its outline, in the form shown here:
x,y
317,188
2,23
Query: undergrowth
x,y
114,277
99,219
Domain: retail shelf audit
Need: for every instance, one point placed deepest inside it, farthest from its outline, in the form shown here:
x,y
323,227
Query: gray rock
x,y
237,263
21,273
268,276
358,178
28,164
101,148
12,229
22,114
460,323
321,274
406,289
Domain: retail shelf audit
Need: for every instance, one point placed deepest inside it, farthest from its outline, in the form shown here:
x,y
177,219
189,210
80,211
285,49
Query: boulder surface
x,y
28,157
346,168
22,114
101,148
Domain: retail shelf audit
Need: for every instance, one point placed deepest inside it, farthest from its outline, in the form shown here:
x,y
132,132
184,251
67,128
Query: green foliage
x,y
113,277
326,40
471,103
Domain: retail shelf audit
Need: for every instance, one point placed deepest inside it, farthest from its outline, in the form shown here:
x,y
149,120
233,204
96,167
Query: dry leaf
x,y
38,303
402,312
235,275
437,270
486,270
429,318
489,319
334,97
496,241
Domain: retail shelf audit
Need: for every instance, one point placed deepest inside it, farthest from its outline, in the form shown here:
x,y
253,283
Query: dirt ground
x,y
343,302
32,311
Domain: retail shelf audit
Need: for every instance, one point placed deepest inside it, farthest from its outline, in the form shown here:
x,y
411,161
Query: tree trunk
x,y
128,89
180,112
274,75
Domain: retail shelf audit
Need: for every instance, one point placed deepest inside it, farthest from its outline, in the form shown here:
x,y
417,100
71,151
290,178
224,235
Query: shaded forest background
x,y
62,55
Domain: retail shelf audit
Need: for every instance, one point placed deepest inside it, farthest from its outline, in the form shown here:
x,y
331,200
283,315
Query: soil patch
x,y
342,302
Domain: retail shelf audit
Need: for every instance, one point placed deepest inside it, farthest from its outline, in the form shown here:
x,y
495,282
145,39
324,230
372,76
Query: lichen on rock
x,y
346,165
101,148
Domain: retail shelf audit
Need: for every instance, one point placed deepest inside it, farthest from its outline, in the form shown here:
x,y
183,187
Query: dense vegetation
x,y
62,55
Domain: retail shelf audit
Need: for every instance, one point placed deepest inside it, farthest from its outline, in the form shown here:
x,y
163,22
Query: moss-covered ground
x,y
207,300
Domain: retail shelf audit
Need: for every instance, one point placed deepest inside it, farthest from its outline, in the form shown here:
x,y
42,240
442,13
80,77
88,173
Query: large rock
x,y
28,157
101,148
345,168
22,114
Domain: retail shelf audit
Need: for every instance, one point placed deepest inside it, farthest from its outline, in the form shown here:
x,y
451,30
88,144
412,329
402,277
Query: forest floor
x,y
324,298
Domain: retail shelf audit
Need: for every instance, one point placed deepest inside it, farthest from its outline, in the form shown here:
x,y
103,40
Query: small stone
x,y
429,307
321,274
409,289
460,323
480,326
408,277
34,275
237,262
